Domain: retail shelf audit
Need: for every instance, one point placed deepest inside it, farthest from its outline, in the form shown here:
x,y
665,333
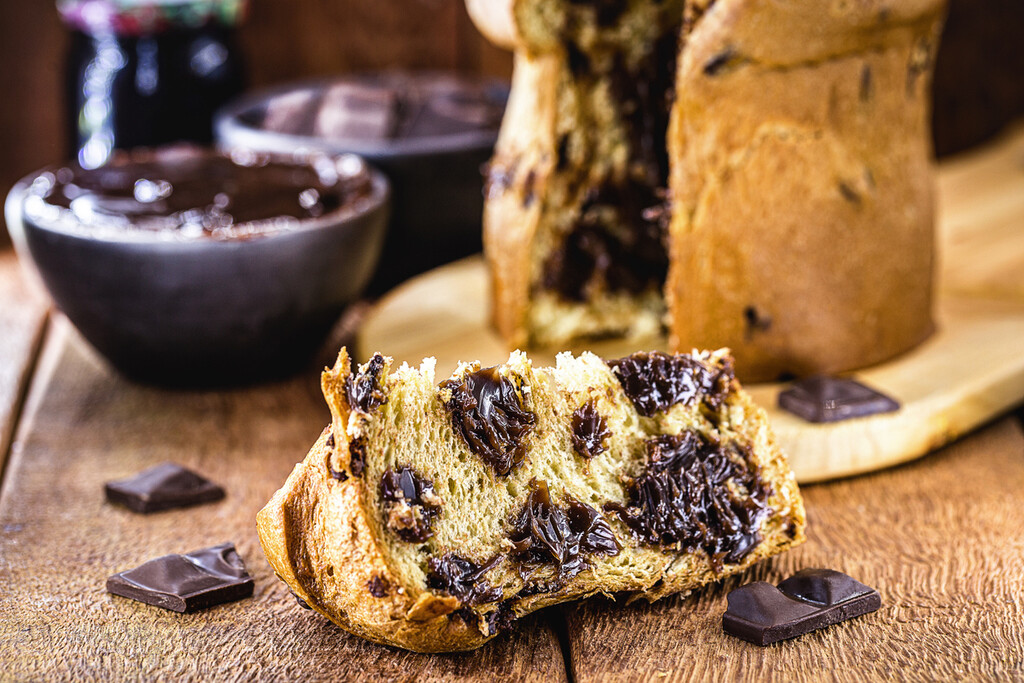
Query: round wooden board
x,y
944,386
969,371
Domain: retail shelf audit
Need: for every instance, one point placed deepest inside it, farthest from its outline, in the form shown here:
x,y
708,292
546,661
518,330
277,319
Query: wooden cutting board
x,y
971,370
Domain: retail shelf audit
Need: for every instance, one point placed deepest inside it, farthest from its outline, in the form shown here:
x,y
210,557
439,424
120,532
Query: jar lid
x,y
139,17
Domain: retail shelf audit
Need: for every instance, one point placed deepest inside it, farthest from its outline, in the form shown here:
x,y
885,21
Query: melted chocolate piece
x,y
593,256
849,193
655,381
357,456
410,504
529,193
186,583
378,586
830,399
606,12
487,411
755,321
498,178
163,487
719,62
302,603
589,430
683,500
548,535
335,474
500,620
363,388
866,87
810,599
462,578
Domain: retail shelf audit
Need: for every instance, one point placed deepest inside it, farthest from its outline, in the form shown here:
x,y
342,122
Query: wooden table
x,y
941,538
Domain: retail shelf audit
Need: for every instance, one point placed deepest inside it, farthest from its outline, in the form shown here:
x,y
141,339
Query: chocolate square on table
x,y
823,398
163,487
186,583
811,599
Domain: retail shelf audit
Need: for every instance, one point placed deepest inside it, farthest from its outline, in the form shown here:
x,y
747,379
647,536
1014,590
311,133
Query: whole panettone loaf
x,y
798,226
432,517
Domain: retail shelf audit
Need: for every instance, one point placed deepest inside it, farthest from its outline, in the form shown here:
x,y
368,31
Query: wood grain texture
x,y
59,540
22,321
981,219
940,539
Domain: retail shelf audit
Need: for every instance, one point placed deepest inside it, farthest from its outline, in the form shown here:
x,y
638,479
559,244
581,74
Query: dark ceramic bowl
x,y
207,312
434,165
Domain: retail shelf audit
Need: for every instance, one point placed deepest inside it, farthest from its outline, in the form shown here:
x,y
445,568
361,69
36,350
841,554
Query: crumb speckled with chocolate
x,y
363,388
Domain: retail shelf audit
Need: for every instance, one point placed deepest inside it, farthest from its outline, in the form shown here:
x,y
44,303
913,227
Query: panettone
x,y
797,226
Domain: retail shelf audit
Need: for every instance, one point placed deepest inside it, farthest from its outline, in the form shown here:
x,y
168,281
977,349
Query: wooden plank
x,y
940,539
22,321
59,540
981,219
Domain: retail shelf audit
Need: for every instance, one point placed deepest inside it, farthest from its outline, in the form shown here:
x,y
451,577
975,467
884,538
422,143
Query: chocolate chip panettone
x,y
798,226
432,517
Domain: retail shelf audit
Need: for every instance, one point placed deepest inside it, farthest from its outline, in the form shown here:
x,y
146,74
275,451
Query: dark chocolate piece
x,y
810,599
822,398
654,382
462,578
378,586
363,389
302,603
866,87
357,456
589,430
410,504
163,487
487,411
756,321
684,501
715,65
186,583
500,620
558,536
849,194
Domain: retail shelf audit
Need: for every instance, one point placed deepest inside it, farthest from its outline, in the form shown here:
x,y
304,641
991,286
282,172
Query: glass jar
x,y
147,72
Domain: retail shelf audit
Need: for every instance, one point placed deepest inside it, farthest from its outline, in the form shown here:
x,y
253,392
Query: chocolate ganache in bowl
x,y
187,266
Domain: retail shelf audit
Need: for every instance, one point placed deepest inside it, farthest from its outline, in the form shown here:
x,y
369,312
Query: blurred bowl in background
x,y
186,267
430,132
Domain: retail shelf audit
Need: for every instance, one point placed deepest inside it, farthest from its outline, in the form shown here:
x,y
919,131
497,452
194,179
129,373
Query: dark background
x,y
281,40
979,83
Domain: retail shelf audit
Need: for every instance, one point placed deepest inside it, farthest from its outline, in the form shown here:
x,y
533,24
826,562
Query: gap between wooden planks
x,y
59,540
